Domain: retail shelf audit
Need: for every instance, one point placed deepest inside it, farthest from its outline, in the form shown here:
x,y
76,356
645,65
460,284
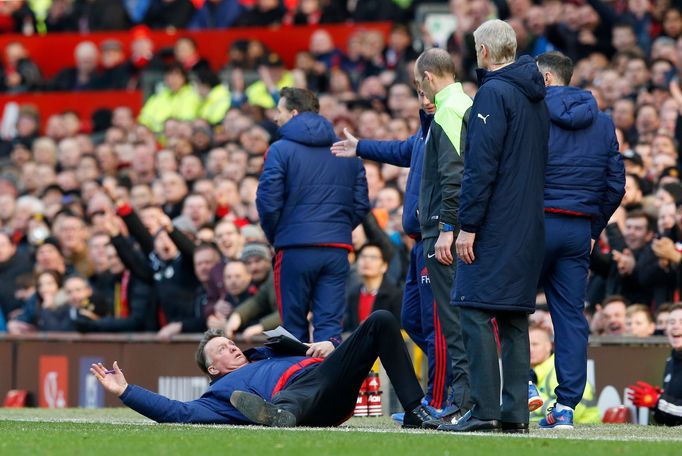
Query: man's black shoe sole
x,y
261,412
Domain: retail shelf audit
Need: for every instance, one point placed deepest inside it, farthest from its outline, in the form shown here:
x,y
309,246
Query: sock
x,y
560,407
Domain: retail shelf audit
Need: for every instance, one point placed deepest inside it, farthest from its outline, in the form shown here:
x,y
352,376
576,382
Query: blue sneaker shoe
x,y
398,417
557,420
534,399
439,413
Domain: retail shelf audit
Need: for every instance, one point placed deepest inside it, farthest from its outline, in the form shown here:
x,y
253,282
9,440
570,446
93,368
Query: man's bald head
x,y
436,61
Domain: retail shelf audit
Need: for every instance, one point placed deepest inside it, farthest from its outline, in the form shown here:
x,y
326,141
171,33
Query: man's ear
x,y
212,370
294,112
548,77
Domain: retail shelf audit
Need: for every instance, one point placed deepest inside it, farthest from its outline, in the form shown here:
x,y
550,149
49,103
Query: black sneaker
x,y
471,424
417,417
453,418
259,411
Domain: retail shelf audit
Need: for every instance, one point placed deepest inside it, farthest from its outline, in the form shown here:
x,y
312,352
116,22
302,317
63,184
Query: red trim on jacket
x,y
278,282
338,246
291,371
553,210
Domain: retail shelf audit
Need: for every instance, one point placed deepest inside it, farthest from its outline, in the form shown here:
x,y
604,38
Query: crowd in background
x,y
148,223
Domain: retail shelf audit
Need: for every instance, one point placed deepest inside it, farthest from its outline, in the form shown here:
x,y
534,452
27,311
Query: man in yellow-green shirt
x,y
542,364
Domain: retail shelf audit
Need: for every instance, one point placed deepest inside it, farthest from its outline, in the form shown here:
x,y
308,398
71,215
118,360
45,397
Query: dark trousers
x,y
420,320
564,279
325,395
484,368
442,277
312,279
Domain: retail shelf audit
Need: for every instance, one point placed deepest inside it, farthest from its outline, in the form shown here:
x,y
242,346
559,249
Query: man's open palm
x,y
347,148
115,382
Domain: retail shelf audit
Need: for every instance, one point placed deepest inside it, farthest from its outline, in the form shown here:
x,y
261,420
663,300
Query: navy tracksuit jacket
x,y
309,202
584,184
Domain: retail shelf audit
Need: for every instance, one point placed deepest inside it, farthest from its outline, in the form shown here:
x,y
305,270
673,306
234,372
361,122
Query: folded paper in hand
x,y
283,342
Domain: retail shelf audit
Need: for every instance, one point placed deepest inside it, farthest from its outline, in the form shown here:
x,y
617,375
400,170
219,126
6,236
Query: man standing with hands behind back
x,y
439,200
309,202
584,184
501,242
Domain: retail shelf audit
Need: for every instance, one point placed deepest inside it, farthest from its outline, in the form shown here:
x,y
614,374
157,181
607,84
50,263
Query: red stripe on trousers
x,y
496,333
439,376
277,279
291,371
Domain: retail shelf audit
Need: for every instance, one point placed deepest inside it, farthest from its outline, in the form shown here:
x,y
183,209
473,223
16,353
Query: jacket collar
x,y
447,92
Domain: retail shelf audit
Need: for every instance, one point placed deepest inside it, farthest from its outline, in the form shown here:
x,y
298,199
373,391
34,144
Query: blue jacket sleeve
x,y
270,194
398,153
360,196
485,142
615,190
163,410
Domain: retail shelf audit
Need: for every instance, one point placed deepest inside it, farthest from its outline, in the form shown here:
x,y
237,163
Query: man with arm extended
x,y
584,184
263,387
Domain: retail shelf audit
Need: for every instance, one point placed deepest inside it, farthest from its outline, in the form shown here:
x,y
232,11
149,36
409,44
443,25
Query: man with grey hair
x,y
279,388
501,242
84,75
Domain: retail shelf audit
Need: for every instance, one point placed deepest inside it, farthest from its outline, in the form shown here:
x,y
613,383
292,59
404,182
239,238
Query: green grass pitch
x,y
121,432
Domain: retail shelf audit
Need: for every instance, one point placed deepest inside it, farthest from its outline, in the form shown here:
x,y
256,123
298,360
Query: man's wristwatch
x,y
445,227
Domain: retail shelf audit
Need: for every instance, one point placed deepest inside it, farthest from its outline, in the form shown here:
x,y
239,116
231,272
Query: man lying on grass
x,y
259,386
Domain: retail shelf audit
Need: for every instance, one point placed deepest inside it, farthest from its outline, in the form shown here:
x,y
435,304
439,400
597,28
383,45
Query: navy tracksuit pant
x,y
312,279
564,279
420,321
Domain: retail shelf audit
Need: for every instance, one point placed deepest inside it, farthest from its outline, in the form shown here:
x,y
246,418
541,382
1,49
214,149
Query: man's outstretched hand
x,y
347,148
115,382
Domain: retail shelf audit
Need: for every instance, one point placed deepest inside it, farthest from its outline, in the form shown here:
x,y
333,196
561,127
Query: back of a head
x,y
436,61
500,40
302,100
558,64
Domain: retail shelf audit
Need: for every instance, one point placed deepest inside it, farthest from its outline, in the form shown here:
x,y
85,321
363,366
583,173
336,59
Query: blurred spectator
x,y
216,14
169,14
639,322
661,318
258,313
84,76
19,73
46,310
16,17
311,12
71,232
263,13
375,291
116,72
543,374
215,97
230,243
176,100
13,264
265,92
101,15
60,17
142,55
187,55
609,319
